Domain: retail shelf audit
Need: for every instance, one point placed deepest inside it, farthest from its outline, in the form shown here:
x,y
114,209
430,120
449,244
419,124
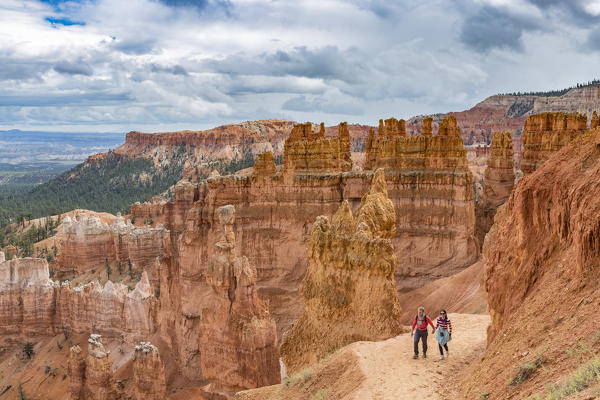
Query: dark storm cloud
x,y
79,99
134,47
68,68
492,27
175,69
326,62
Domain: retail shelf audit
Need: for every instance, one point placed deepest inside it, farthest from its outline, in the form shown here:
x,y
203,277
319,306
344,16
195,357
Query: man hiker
x,y
420,322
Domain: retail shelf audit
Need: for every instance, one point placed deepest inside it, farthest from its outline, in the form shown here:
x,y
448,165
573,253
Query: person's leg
x,y
425,333
441,349
416,342
445,346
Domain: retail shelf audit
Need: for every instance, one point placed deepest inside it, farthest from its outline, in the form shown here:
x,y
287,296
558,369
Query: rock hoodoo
x,y
76,372
349,290
544,134
148,373
308,152
499,180
234,334
430,186
98,382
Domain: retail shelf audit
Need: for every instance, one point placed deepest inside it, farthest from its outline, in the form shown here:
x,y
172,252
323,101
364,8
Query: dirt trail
x,y
391,373
385,370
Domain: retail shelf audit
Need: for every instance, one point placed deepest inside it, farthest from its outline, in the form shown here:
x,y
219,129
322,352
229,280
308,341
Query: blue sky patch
x,y
63,21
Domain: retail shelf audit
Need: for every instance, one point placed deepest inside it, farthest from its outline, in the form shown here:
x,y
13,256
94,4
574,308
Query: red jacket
x,y
422,324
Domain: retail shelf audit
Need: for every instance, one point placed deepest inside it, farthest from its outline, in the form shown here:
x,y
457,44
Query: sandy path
x,y
391,373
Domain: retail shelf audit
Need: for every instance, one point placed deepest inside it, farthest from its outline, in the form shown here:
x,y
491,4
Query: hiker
x,y
444,333
420,322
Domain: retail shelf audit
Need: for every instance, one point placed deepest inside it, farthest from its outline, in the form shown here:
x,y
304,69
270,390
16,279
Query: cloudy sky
x,y
154,65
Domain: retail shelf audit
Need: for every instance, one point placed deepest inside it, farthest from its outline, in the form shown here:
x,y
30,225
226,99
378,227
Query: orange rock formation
x,y
544,134
349,290
88,244
237,338
148,373
542,259
308,152
499,180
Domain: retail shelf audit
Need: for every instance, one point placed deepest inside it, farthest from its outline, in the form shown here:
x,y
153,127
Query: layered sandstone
x,y
148,373
27,298
265,164
544,134
76,373
32,305
499,180
236,338
542,258
306,151
431,190
88,244
98,382
113,309
349,290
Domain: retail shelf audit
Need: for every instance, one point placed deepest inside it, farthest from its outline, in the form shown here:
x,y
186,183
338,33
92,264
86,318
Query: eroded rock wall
x,y
148,373
349,290
546,133
499,179
87,244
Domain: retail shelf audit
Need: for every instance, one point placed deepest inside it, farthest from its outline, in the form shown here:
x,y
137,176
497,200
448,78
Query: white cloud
x,y
142,64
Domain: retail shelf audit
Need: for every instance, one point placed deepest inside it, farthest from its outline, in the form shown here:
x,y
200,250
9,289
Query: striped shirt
x,y
443,323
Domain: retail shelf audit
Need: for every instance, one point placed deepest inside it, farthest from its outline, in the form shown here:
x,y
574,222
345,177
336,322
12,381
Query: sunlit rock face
x,y
546,133
349,290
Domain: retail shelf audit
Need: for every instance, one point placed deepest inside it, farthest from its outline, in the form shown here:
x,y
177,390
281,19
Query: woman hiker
x,y
444,333
420,322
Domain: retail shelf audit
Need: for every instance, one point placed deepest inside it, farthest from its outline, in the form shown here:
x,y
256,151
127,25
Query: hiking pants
x,y
420,335
442,350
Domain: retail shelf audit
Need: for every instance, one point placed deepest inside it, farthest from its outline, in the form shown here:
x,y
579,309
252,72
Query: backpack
x,y
424,319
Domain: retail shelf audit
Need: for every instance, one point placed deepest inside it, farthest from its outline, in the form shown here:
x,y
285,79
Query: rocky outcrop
x,y
542,260
265,164
113,309
544,134
98,382
32,305
148,373
349,290
230,326
595,123
87,244
27,298
431,191
76,373
499,180
308,152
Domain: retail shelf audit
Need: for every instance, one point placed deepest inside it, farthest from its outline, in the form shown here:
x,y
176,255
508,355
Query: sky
x,y
160,65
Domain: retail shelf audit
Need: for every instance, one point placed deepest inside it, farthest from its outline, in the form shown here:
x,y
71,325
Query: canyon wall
x,y
32,305
542,258
431,189
544,134
87,244
499,180
148,373
348,290
236,338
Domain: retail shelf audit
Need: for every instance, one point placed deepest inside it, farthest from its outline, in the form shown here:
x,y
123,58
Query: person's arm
x,y
431,323
412,330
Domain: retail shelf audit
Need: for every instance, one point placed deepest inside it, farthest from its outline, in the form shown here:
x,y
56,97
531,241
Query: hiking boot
x,y
441,357
447,353
424,355
415,356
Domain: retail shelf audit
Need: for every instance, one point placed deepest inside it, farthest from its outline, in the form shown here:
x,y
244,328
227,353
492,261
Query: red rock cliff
x,y
499,180
544,134
542,258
